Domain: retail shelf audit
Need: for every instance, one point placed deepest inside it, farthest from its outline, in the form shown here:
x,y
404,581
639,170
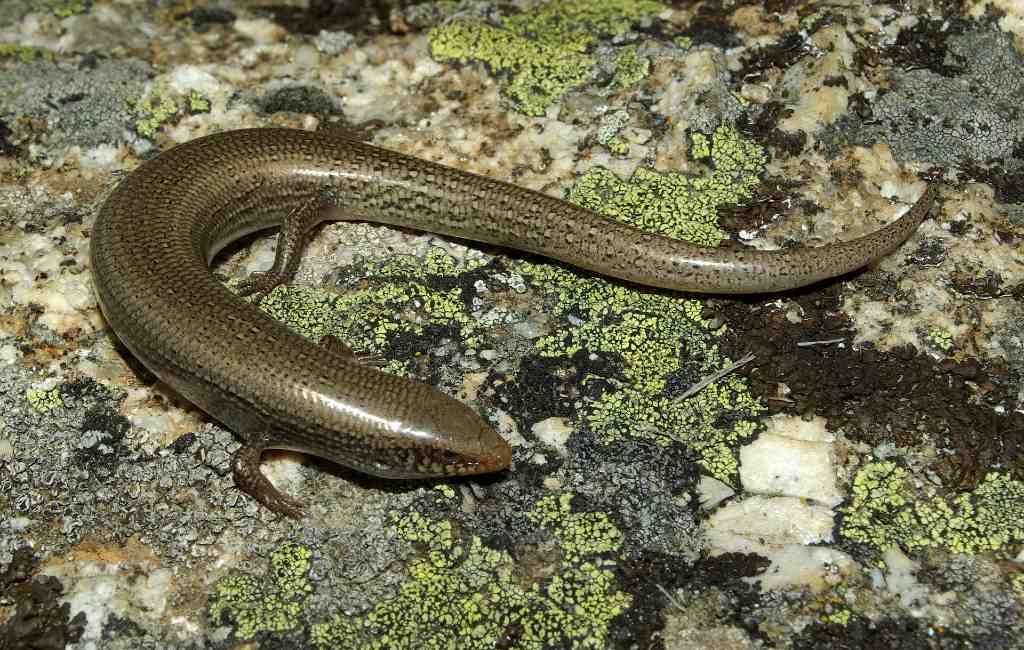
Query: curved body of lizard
x,y
154,238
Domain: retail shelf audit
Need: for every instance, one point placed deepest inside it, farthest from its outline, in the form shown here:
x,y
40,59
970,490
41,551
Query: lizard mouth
x,y
498,458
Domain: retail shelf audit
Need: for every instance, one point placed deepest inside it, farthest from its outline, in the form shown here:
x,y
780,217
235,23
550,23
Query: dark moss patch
x,y
862,634
299,99
925,46
1008,184
416,346
541,390
762,127
771,198
900,397
990,284
117,627
712,26
353,16
780,55
203,18
7,148
183,444
39,620
103,433
649,576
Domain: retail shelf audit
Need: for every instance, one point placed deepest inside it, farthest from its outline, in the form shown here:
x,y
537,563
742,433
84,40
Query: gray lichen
x,y
973,116
80,109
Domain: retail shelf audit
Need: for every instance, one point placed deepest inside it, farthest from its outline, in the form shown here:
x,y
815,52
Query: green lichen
x,y
630,67
64,8
578,534
446,490
617,145
397,299
272,603
540,74
24,53
608,131
545,52
161,104
700,146
154,110
884,512
197,103
581,21
465,595
657,336
44,401
838,617
654,335
940,339
676,205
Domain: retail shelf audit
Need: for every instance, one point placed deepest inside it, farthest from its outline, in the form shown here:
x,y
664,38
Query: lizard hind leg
x,y
291,241
245,468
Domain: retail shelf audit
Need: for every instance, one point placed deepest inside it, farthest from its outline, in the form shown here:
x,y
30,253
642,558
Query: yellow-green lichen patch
x,y
270,603
197,103
544,51
1017,584
630,67
657,336
617,145
578,534
838,617
161,105
673,204
940,339
465,595
885,512
446,490
64,8
609,129
44,401
153,111
398,300
24,53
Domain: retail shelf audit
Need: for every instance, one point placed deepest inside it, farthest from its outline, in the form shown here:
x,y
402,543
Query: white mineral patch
x,y
900,578
712,492
761,524
819,104
34,273
103,156
554,432
260,30
101,589
8,353
162,424
814,566
794,458
780,529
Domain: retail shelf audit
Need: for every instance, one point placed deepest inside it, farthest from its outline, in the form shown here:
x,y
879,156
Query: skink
x,y
154,239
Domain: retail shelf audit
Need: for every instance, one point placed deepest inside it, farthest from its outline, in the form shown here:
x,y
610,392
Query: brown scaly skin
x,y
155,236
